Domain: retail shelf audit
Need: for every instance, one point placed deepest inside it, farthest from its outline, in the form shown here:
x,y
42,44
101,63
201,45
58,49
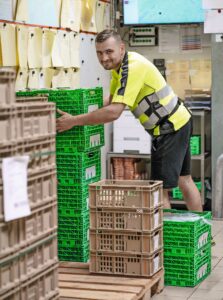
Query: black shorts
x,y
170,156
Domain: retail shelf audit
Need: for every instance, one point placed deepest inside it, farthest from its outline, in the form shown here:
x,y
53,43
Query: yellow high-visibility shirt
x,y
140,86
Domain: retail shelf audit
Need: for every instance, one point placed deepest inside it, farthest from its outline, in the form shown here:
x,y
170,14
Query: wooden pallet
x,y
76,283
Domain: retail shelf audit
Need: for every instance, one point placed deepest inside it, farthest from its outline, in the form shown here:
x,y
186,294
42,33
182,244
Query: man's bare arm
x,y
103,115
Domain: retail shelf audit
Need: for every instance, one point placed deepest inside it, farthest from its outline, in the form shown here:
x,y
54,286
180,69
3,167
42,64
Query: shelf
x,y
201,156
133,155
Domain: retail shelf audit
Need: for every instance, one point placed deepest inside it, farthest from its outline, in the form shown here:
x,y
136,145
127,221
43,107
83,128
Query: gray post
x,y
217,121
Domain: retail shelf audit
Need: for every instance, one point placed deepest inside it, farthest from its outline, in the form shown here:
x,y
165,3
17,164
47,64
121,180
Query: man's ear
x,y
122,47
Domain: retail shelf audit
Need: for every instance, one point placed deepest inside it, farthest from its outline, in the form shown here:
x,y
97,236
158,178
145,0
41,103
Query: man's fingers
x,y
61,112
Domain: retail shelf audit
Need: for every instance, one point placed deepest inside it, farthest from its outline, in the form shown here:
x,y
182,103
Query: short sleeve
x,y
130,83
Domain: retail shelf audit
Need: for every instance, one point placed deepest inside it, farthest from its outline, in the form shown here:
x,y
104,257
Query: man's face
x,y
110,53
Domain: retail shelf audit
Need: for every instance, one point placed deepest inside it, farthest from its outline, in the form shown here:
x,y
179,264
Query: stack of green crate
x,y
78,153
187,247
177,194
195,145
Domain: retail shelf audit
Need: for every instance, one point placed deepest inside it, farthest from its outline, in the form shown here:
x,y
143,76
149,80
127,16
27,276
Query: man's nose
x,y
104,57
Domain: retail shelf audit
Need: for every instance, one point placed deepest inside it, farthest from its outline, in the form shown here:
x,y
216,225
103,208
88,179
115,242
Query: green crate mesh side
x,y
185,275
72,254
195,145
67,197
78,167
81,138
73,101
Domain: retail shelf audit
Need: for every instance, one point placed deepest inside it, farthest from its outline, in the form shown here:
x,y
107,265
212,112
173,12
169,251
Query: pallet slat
x,y
95,295
100,287
76,285
105,279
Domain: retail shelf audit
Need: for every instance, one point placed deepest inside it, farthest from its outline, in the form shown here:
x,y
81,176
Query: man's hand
x,y
65,122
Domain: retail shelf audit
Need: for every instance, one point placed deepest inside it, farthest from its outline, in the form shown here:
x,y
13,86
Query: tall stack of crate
x,y
187,247
126,234
78,164
28,246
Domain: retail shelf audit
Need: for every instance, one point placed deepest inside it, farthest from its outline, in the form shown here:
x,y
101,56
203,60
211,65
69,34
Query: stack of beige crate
x,y
28,246
126,227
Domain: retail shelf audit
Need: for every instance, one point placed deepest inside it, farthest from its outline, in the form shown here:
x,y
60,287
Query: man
x,y
138,84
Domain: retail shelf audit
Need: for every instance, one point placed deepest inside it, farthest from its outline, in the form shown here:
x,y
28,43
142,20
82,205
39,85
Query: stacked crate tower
x,y
28,245
126,232
78,152
187,247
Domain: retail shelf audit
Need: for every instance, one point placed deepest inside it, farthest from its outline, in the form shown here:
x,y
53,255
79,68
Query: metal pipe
x,y
218,203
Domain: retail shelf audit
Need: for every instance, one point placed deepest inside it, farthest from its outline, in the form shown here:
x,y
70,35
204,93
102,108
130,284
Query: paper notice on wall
x,y
15,192
169,39
22,45
35,47
212,4
33,80
191,38
74,50
21,79
43,12
71,14
6,10
213,21
45,78
47,47
56,51
8,45
75,79
100,15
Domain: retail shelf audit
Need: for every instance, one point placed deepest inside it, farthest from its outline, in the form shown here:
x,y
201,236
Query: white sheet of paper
x,y
169,39
74,50
15,192
47,46
212,4
43,12
56,52
213,21
6,10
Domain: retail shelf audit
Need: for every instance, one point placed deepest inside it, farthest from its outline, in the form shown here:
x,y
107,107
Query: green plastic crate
x,y
177,194
195,145
75,102
187,271
185,238
82,167
80,138
76,254
73,197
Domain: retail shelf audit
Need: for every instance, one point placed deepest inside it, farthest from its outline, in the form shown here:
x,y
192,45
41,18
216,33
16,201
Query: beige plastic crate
x,y
35,120
27,263
126,264
9,273
7,86
38,257
41,97
12,294
9,238
8,132
145,194
25,231
132,242
42,286
134,220
41,153
15,295
42,188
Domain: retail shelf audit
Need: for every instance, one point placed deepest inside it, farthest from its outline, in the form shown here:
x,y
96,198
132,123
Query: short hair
x,y
106,34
